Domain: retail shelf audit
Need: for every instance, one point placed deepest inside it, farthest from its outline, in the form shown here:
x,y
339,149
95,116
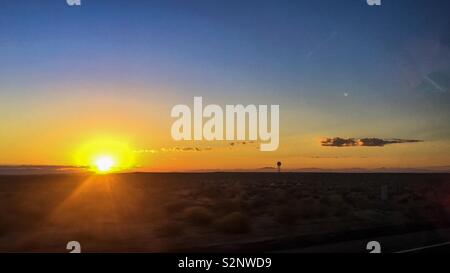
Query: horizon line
x,y
18,169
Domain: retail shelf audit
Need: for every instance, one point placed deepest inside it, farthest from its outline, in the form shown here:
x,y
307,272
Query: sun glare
x,y
105,155
104,164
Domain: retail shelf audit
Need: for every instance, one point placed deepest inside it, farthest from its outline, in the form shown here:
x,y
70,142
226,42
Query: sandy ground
x,y
169,212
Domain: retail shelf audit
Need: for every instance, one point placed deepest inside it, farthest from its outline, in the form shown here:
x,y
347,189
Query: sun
x,y
105,155
104,164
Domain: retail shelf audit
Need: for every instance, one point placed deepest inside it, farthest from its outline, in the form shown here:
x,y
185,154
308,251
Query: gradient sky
x,y
114,69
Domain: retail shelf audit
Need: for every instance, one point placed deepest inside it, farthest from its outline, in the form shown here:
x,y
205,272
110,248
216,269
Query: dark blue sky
x,y
285,45
252,38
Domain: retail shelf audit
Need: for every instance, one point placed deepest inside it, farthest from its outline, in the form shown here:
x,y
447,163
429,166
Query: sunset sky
x,y
110,71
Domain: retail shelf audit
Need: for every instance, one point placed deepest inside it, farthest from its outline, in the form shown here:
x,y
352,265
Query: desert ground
x,y
145,212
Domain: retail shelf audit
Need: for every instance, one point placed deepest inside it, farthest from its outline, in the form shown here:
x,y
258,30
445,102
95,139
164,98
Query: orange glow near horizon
x,y
139,141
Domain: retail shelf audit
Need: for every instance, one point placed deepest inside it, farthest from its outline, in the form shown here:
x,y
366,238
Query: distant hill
x,y
35,169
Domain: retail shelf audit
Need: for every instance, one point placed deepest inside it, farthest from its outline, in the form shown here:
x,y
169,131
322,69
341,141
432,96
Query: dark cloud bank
x,y
364,142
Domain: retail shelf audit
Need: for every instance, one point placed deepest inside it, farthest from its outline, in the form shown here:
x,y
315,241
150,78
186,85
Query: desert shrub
x,y
342,210
279,195
309,208
213,192
233,223
336,199
403,199
228,205
287,215
336,205
176,206
198,216
325,200
169,229
257,202
322,211
358,201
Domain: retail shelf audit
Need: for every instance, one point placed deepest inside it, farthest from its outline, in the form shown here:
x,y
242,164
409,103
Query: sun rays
x,y
105,155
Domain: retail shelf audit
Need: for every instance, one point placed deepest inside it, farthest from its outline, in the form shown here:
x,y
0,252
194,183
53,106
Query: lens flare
x,y
105,164
105,156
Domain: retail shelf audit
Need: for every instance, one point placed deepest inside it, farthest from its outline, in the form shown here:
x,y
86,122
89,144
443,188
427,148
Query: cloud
x,y
194,149
241,143
339,142
146,151
230,145
363,142
172,149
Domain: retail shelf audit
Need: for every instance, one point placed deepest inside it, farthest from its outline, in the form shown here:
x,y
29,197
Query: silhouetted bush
x,y
234,223
199,216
